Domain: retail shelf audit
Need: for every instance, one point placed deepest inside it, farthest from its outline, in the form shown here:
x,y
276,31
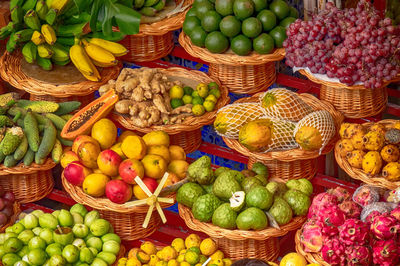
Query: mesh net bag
x,y
232,117
284,104
282,135
324,124
366,195
381,207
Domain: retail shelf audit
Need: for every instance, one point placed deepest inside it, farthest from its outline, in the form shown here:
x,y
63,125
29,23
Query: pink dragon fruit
x,y
396,213
312,237
333,252
358,255
342,194
384,227
370,218
353,231
350,209
385,253
366,195
320,201
331,217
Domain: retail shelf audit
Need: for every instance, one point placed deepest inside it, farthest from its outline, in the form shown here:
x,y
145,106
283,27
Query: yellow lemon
x,y
122,261
184,263
181,258
192,240
209,106
218,255
153,260
132,253
293,259
134,147
227,262
125,134
192,257
161,263
173,263
208,247
159,255
217,262
143,257
133,262
202,90
160,150
157,137
198,110
105,132
169,253
178,167
149,248
182,252
176,92
95,184
178,244
177,153
117,148
154,166
211,98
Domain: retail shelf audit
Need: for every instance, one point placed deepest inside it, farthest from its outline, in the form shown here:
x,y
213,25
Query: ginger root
x,y
123,106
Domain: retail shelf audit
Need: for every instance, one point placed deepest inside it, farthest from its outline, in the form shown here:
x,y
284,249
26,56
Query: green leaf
x,y
127,3
97,4
83,5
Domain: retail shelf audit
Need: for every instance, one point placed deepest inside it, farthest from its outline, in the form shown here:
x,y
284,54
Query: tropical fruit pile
x,y
280,120
149,8
53,32
181,252
60,238
353,229
7,200
249,194
106,165
241,25
374,149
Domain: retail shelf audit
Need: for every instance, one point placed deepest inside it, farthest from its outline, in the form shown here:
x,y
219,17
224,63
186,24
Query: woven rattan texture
x,y
13,218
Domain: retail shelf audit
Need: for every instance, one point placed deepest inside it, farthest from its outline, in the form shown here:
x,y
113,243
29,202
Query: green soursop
x,y
225,185
204,207
200,171
224,217
188,193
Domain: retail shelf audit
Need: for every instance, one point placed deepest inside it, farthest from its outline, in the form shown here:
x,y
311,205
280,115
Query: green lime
x,y
241,45
293,12
198,36
215,92
195,249
260,5
210,21
263,44
192,257
175,103
209,106
189,24
211,98
224,7
286,22
251,27
212,85
197,100
187,90
230,26
187,99
196,2
280,8
268,19
216,42
202,8
243,9
176,92
279,35
191,12
198,110
195,94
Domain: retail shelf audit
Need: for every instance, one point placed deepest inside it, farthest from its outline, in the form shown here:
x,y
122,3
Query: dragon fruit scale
x,y
311,236
358,256
333,252
320,201
385,253
353,231
350,209
385,227
370,218
331,216
396,213
342,194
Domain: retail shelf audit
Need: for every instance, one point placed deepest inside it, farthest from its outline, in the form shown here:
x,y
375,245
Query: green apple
x,y
21,263
54,249
94,251
36,242
95,242
13,245
111,246
24,251
71,253
47,235
79,208
99,262
48,221
2,238
37,230
3,251
79,243
63,236
31,221
9,235
78,219
65,218
100,227
18,228
57,260
10,259
107,257
56,213
86,255
79,263
80,230
37,213
37,256
89,236
25,236
9,230
111,236
90,217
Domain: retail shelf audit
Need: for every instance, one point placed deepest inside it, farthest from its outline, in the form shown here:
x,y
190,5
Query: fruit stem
x,y
59,229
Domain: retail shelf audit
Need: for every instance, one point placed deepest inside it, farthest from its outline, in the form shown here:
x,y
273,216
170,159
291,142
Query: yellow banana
x,y
99,54
83,63
115,48
45,51
99,64
37,38
59,5
49,34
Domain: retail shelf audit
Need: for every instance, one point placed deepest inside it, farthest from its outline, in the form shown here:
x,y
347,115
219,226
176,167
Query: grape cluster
x,y
353,45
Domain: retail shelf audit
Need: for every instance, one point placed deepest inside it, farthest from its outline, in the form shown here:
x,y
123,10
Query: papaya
x,y
81,123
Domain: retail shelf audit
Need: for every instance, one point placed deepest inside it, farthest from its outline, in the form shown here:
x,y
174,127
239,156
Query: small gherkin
x,y
393,136
11,140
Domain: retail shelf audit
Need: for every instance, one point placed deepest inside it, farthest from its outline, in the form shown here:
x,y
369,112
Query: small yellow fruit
x,y
182,252
117,148
227,262
149,248
133,262
184,263
176,92
153,260
132,253
211,98
173,263
160,150
95,184
217,262
158,137
122,261
169,253
154,166
293,259
177,152
178,244
105,132
159,255
134,147
161,263
202,90
192,240
143,257
125,134
181,258
198,110
208,247
178,167
192,257
218,255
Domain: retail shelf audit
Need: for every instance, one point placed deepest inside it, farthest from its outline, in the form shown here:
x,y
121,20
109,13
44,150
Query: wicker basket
x,y
310,257
13,218
120,255
239,244
294,163
11,72
241,74
359,174
154,40
353,101
29,184
187,134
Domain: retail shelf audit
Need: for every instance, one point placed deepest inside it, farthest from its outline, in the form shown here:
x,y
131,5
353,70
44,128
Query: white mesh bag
x,y
282,135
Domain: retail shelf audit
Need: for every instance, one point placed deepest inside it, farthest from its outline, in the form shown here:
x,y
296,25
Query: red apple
x,y
108,162
76,172
129,169
118,191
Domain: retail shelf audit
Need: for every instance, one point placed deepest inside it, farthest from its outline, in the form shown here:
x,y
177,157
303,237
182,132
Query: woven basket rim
x,y
228,59
218,232
310,257
298,153
358,174
23,169
14,217
103,203
10,71
120,254
338,85
191,123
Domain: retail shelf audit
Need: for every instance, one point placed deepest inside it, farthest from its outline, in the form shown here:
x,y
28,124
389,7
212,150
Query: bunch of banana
x,y
149,8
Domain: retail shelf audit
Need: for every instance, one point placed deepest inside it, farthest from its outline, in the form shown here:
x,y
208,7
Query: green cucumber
x,y
67,107
29,157
32,131
57,151
21,150
10,161
58,122
2,157
47,143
